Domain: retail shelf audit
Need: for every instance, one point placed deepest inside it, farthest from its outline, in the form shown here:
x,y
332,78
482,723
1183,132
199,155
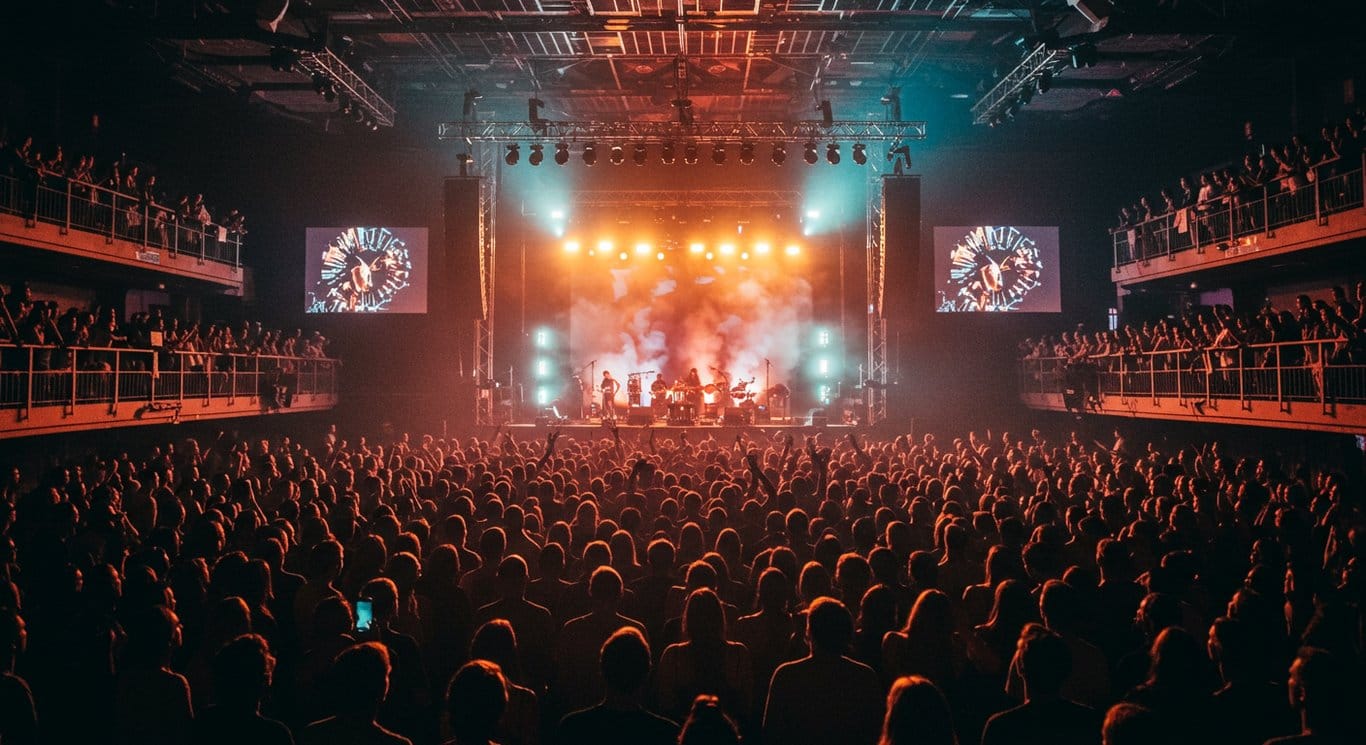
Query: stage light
x,y
697,248
660,256
590,154
809,154
827,116
666,154
718,153
744,256
542,367
690,153
514,153
727,249
860,153
761,248
571,247
543,338
543,396
813,214
344,108
832,154
823,338
747,153
1045,81
537,155
617,155
823,366
642,248
639,153
561,153
557,214
623,256
779,154
710,256
1026,94
793,249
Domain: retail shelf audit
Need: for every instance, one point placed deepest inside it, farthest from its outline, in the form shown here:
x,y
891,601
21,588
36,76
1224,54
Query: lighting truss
x,y
659,132
348,84
720,198
1006,92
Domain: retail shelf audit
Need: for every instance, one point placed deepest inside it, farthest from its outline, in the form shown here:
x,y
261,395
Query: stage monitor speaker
x,y
736,417
640,416
818,418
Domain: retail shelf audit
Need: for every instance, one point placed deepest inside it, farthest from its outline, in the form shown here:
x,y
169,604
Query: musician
x,y
659,394
693,384
609,387
722,381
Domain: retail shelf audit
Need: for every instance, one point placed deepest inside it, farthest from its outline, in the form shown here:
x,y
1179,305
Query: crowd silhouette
x,y
636,588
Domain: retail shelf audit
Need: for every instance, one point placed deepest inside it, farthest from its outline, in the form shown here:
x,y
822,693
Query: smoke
x,y
669,319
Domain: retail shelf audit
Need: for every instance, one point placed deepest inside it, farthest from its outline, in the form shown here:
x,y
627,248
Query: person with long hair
x,y
927,644
917,714
705,662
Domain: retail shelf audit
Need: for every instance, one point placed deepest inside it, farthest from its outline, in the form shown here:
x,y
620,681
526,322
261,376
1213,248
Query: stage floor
x,y
631,433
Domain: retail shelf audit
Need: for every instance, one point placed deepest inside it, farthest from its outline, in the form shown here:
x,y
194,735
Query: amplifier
x,y
640,416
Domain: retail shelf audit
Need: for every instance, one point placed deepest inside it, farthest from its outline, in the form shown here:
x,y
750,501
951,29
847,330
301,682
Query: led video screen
x,y
366,270
996,269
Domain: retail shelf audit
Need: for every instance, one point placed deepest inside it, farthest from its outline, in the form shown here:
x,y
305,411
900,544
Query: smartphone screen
x,y
365,616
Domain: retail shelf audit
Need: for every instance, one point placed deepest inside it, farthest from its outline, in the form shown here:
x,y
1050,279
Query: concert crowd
x,y
1000,587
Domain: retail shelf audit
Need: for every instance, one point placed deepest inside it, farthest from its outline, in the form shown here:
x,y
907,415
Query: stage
x,y
632,434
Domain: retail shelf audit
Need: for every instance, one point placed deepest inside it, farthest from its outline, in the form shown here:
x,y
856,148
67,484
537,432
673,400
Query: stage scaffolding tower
x,y
486,168
875,382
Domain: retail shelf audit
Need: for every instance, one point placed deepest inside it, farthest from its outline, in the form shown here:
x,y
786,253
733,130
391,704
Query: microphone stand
x,y
768,403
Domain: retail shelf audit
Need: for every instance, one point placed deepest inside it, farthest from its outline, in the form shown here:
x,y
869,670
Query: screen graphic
x,y
366,270
996,269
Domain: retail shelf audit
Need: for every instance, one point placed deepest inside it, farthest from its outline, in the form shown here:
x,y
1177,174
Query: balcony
x,y
47,390
100,224
1266,222
1247,385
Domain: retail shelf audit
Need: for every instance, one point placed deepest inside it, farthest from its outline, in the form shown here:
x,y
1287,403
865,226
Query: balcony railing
x,y
114,215
1221,224
36,376
1283,372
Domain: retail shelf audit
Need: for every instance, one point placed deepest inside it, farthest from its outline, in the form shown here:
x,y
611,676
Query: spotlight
x,y
537,155
561,153
810,154
374,125
779,154
793,249
747,153
590,154
761,248
605,246
718,153
642,248
727,249
832,154
696,248
666,154
1045,81
1026,94
623,256
710,256
514,153
860,153
638,154
690,154
571,247
827,118
617,155
660,256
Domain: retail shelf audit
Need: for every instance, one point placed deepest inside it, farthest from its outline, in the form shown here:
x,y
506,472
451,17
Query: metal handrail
x,y
110,213
51,375
1220,224
1242,372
